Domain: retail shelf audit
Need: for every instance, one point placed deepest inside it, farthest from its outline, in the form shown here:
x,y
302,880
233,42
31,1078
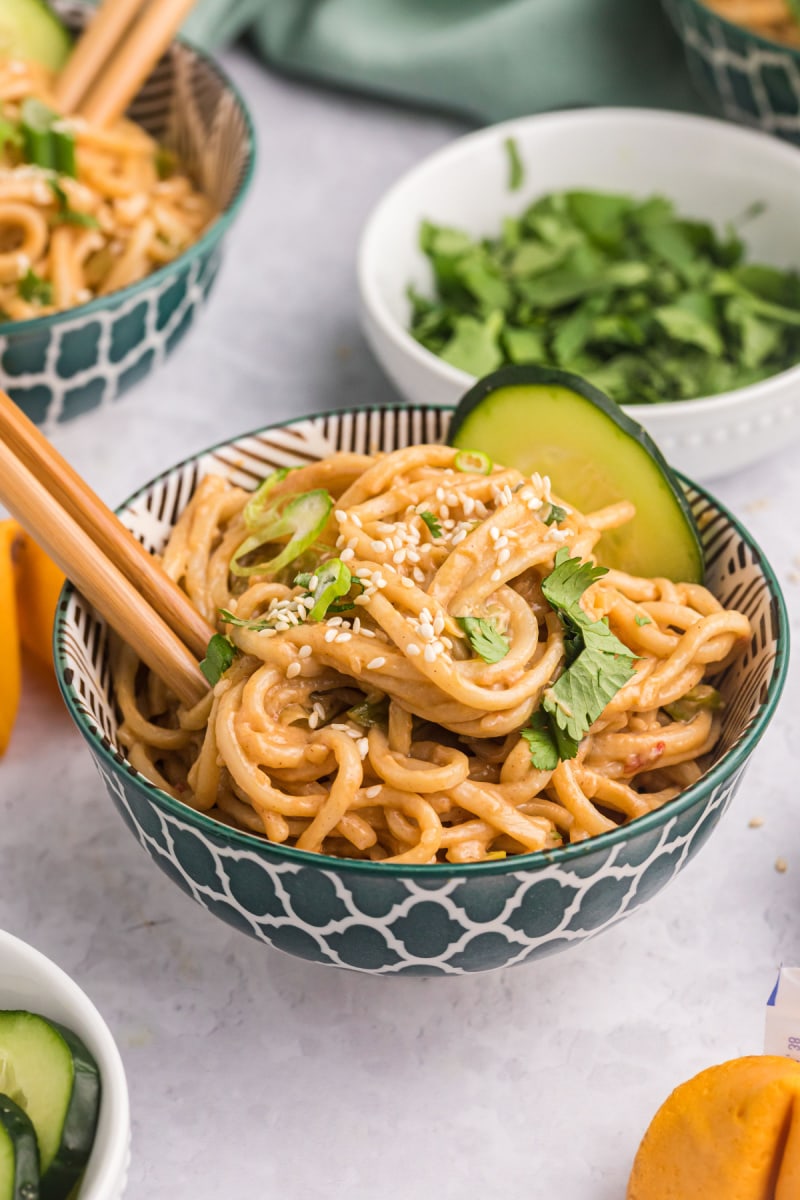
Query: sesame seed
x,y
379,547
363,599
438,624
366,632
343,637
501,542
429,653
412,555
407,583
419,575
444,512
373,791
426,631
304,652
468,506
496,576
458,538
351,545
399,557
494,533
313,583
376,664
347,554
281,626
756,822
440,494
331,635
313,720
362,745
412,649
340,514
292,670
503,556
356,624
452,499
356,519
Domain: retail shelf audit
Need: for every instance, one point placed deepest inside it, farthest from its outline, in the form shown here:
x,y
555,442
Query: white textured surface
x,y
253,1071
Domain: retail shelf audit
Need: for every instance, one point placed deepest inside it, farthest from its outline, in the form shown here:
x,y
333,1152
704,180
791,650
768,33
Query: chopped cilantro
x,y
598,665
556,515
34,289
432,523
219,656
540,738
65,215
640,620
485,638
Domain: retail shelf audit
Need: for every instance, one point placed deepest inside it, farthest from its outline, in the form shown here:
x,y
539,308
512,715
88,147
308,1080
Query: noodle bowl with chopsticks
x,y
83,211
387,665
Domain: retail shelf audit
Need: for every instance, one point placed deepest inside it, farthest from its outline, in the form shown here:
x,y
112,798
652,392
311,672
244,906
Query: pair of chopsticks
x,y
121,45
101,557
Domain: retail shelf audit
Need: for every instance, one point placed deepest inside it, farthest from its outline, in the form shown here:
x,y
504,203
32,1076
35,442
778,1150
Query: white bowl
x,y
30,981
710,169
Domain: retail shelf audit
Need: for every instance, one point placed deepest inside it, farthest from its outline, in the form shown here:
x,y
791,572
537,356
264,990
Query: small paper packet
x,y
782,1024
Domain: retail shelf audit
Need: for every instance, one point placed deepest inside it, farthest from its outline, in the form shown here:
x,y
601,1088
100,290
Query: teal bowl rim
x,y
727,765
742,30
216,230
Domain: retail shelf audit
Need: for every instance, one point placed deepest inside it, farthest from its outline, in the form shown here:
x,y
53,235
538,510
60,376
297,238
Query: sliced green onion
x,y
371,712
556,515
333,580
231,619
64,150
253,511
303,519
473,462
46,141
697,698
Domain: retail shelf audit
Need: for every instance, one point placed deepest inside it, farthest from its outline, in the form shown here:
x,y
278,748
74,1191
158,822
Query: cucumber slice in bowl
x,y
59,1084
541,419
19,1154
29,29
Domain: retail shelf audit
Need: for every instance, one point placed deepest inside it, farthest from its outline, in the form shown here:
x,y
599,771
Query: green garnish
x,y
165,162
640,620
302,518
473,462
46,140
432,523
516,167
485,638
9,134
371,712
703,696
34,289
598,664
556,515
231,619
645,304
220,653
333,580
67,215
539,736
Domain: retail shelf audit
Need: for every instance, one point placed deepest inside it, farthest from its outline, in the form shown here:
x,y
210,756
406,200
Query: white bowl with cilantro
x,y
52,1041
653,253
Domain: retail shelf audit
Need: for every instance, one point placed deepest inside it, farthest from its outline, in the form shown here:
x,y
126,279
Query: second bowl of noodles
x,y
360,789
105,264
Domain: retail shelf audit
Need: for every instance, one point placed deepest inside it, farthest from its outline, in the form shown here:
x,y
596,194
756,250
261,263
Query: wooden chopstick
x,y
103,585
104,529
104,31
120,47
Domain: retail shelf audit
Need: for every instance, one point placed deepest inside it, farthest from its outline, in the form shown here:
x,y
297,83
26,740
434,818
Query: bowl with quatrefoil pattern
x,y
442,918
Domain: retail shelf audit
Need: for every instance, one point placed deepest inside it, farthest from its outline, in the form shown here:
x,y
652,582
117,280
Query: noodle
x,y
378,732
129,211
772,19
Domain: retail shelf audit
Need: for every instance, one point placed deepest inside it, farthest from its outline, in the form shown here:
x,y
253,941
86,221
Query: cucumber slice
x,y
540,419
19,1154
59,1083
30,29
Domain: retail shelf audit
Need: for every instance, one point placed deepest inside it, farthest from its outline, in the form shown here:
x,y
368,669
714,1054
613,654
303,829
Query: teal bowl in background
x,y
61,366
742,75
441,919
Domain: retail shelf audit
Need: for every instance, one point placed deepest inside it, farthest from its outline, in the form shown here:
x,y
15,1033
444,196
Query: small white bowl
x,y
30,981
712,170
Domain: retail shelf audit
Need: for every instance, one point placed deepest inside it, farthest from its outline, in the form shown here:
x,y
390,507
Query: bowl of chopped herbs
x,y
655,254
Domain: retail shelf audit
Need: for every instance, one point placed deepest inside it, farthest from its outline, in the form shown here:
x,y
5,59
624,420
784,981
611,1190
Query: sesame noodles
x,y
386,730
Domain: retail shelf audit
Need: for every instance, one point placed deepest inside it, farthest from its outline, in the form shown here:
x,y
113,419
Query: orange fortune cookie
x,y
730,1133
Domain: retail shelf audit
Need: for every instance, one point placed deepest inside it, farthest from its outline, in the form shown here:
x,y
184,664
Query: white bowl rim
x,y
112,1163
369,246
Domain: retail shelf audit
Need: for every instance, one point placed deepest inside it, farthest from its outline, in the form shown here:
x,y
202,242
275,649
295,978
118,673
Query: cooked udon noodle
x,y
447,776
130,220
772,19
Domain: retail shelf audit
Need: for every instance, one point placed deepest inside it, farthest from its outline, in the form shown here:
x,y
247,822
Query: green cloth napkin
x,y
489,59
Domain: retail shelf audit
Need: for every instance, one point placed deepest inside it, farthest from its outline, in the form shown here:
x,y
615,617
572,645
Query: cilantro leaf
x,y
565,585
220,653
542,742
34,289
556,515
640,620
516,167
432,523
485,638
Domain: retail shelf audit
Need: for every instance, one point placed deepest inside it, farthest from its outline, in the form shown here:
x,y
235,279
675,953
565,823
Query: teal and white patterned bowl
x,y
740,74
60,366
417,920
